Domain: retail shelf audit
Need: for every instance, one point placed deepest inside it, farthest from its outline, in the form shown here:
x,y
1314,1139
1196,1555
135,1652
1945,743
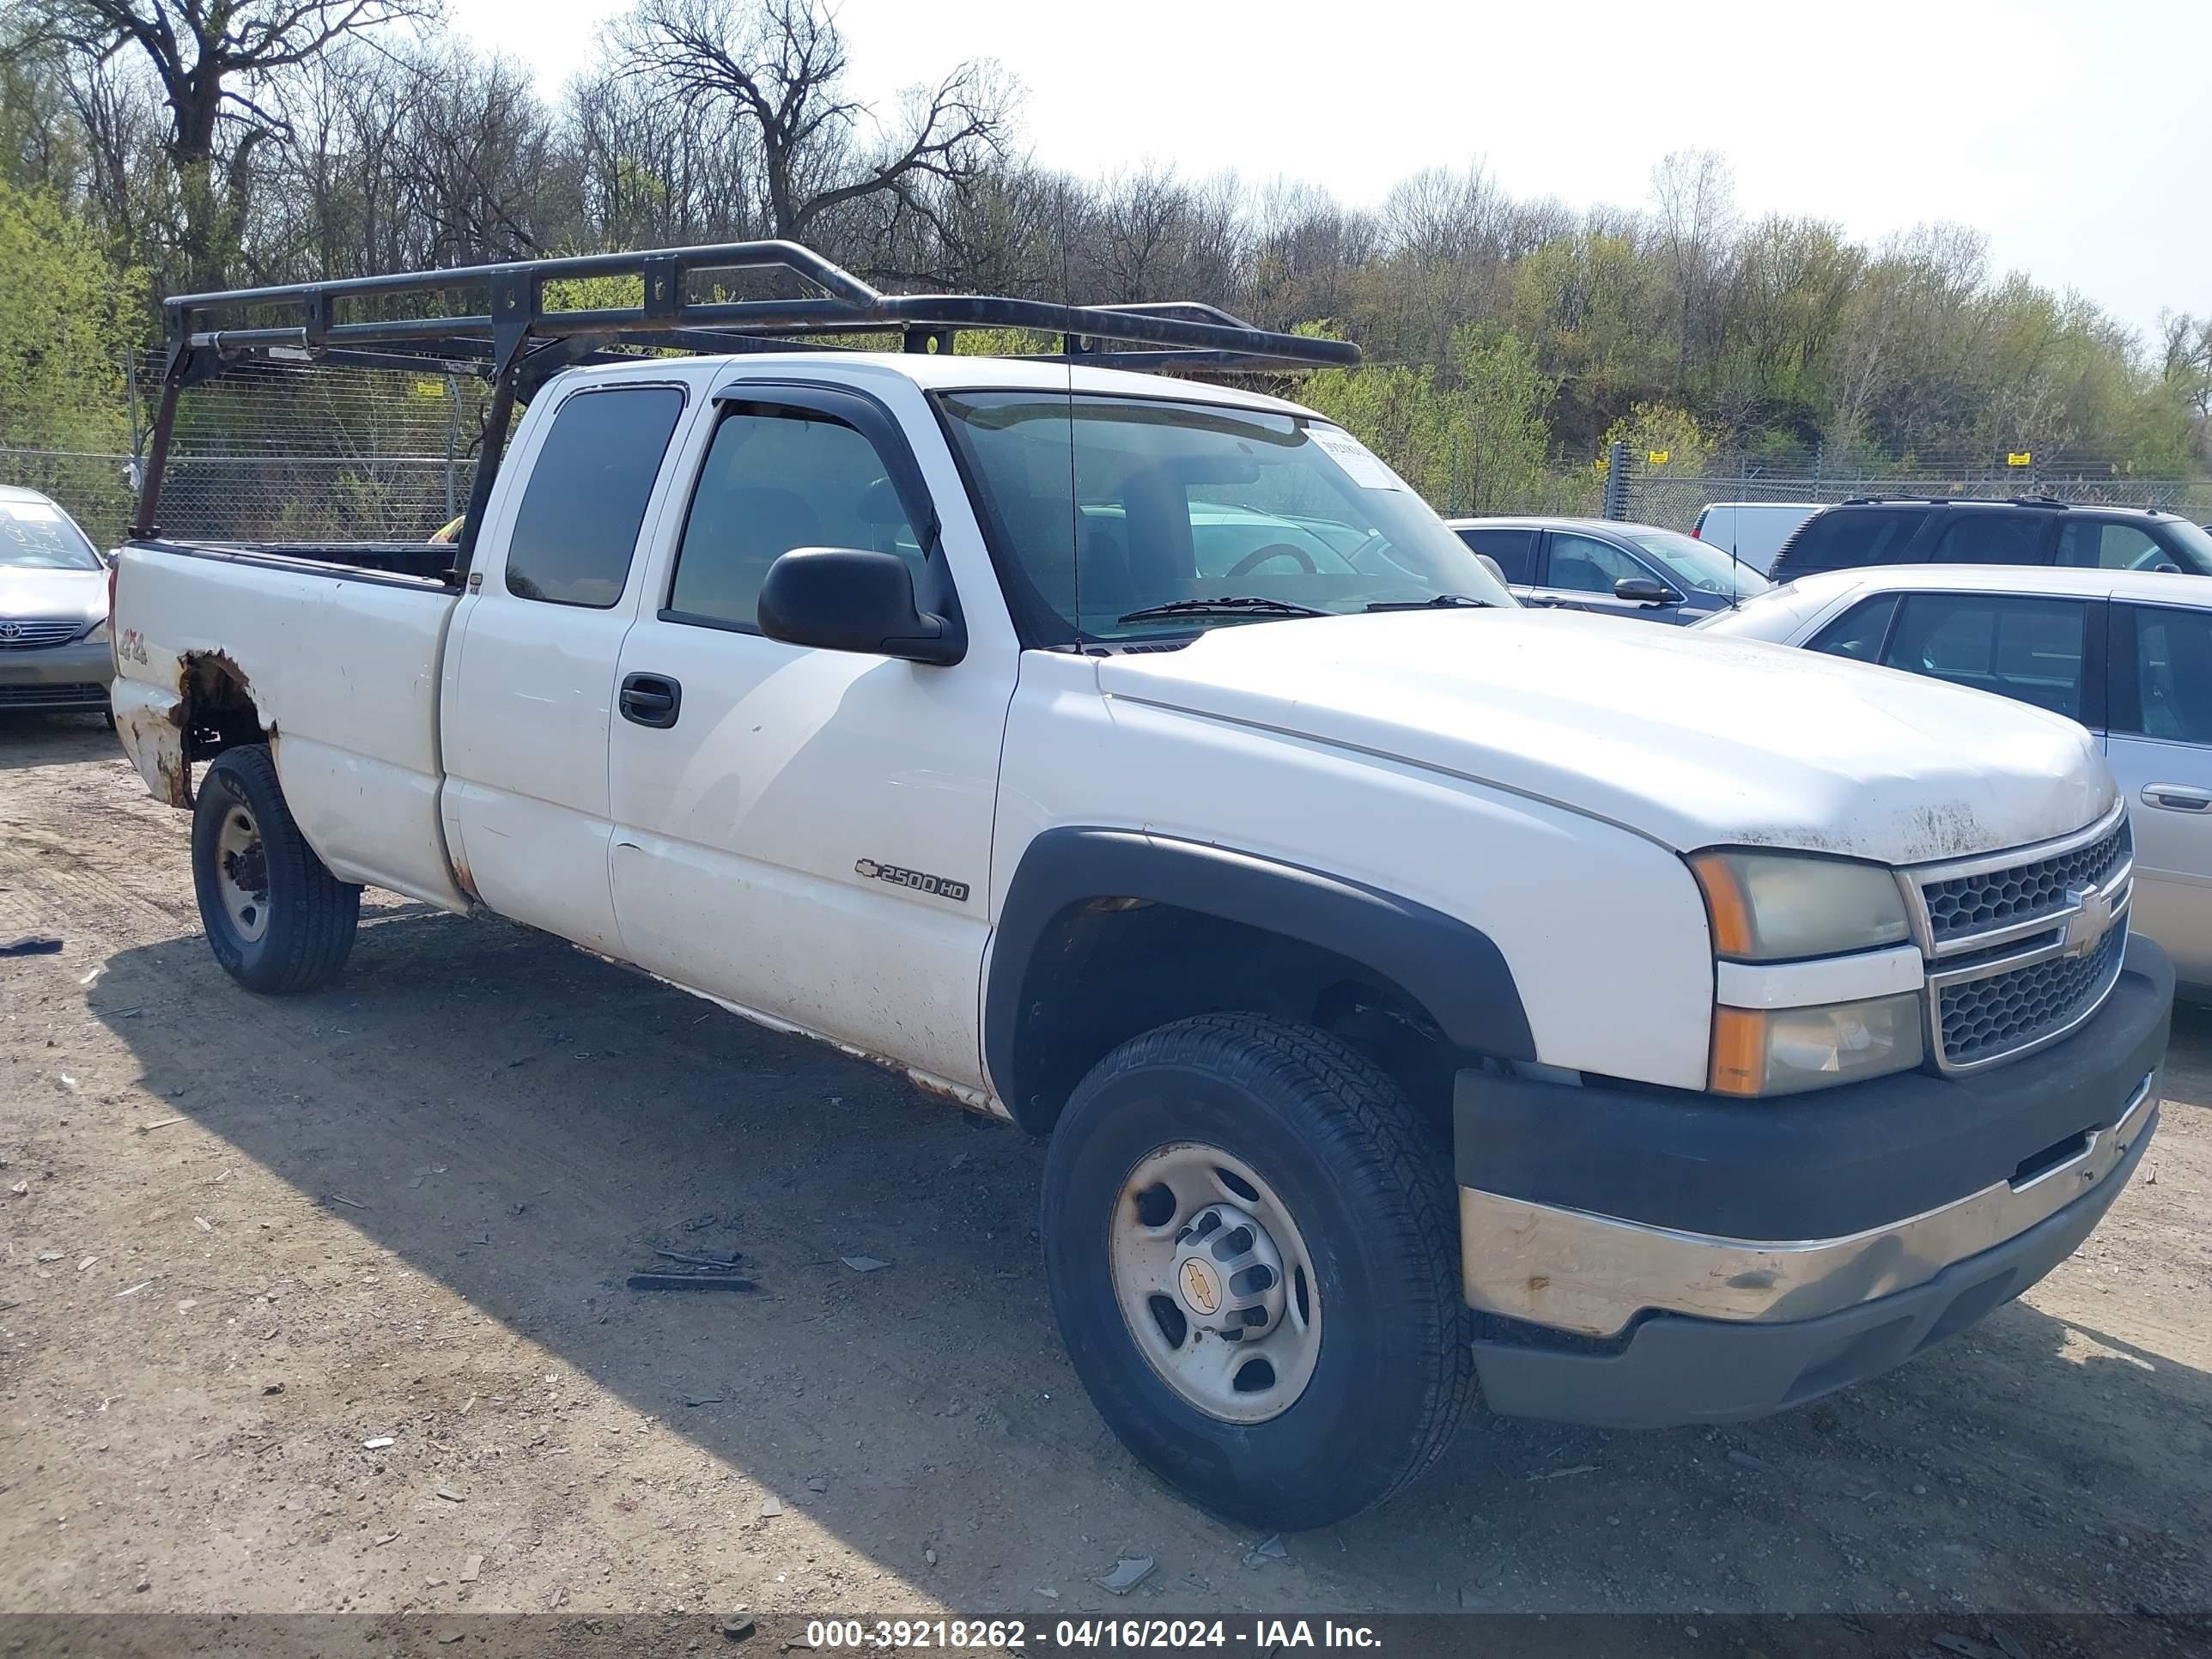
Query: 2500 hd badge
x,y
922,882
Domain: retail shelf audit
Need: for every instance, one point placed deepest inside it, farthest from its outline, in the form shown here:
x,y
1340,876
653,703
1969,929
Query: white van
x,y
1753,531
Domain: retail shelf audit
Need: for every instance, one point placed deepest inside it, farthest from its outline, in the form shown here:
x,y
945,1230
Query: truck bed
x,y
333,657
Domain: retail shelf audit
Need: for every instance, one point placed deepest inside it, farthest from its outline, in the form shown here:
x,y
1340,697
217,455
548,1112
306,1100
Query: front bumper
x,y
1638,1258
73,676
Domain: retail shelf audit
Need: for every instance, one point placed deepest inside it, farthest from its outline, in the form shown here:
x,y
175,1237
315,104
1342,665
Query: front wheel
x,y
1251,1245
277,919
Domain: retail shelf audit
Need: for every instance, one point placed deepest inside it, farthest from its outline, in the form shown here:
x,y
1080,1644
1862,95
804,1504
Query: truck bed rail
x,y
408,563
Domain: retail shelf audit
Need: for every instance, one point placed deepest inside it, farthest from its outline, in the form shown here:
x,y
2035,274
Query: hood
x,y
33,593
1692,739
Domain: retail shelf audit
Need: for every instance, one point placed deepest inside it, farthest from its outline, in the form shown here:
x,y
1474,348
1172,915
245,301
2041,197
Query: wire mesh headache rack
x,y
517,339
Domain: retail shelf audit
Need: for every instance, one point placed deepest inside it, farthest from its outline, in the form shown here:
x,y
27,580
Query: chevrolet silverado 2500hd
x,y
1412,989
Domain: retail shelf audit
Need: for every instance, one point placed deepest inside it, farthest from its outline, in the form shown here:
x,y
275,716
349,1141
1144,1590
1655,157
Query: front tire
x,y
277,919
1252,1250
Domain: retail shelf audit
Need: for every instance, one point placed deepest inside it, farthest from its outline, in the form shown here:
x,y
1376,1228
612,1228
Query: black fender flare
x,y
1455,970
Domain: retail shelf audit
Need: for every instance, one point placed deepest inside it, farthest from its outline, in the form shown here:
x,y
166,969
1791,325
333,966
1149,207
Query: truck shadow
x,y
525,1124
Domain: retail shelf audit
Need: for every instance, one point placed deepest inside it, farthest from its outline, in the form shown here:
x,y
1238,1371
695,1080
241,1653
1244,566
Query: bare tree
x,y
778,67
1693,197
648,174
214,61
477,146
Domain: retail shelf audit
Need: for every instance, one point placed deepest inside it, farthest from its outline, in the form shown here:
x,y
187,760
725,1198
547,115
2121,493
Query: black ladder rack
x,y
517,342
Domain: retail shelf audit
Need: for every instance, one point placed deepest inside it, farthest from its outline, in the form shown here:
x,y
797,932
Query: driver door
x,y
804,833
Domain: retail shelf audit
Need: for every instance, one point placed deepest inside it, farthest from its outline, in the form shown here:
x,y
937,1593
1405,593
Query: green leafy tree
x,y
66,313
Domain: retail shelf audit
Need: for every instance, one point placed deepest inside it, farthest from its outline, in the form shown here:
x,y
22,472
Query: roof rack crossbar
x,y
846,305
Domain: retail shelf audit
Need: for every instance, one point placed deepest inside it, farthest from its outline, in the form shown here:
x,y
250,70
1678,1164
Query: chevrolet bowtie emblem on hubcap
x,y
2086,928
1201,1289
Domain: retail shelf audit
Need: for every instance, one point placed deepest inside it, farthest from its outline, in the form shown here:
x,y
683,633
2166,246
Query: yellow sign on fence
x,y
2019,457
1661,457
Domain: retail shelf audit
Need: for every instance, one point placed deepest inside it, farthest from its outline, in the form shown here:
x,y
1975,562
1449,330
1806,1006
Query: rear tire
x,y
1317,1167
277,919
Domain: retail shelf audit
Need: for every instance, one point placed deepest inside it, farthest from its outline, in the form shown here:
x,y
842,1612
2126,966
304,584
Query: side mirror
x,y
1642,590
1492,567
845,598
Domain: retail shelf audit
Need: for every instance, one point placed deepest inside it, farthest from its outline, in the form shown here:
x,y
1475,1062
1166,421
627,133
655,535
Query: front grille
x,y
1983,1019
1965,905
50,697
17,636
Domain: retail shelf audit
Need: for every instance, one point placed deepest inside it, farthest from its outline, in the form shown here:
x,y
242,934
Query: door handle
x,y
2177,797
651,700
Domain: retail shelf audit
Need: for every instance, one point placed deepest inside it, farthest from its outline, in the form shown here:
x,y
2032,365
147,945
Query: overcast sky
x,y
2078,136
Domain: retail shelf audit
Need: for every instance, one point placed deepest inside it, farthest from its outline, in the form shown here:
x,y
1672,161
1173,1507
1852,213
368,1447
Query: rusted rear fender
x,y
151,720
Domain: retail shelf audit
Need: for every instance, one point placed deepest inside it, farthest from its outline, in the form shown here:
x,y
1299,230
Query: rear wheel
x,y
277,919
1251,1244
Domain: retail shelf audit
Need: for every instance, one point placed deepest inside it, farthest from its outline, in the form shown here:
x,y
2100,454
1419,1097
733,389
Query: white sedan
x,y
2127,653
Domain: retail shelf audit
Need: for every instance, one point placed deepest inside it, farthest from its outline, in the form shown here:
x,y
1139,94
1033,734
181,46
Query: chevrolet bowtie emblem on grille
x,y
2086,928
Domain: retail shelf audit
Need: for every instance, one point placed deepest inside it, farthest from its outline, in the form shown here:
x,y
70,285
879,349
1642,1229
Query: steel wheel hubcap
x,y
1215,1283
242,870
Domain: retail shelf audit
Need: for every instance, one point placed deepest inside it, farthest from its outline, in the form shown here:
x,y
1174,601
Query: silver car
x,y
54,649
2128,653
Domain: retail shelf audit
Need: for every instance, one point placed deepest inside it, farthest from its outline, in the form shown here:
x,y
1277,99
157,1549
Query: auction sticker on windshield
x,y
1366,468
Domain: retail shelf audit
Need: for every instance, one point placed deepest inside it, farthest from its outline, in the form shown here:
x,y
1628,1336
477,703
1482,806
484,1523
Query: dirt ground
x,y
320,1304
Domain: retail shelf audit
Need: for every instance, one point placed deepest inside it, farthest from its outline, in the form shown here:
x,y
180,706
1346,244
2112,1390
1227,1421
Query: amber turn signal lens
x,y
1726,904
1739,1064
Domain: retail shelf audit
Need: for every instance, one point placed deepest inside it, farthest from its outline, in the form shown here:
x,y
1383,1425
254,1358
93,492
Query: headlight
x,y
1779,907
99,635
1784,1051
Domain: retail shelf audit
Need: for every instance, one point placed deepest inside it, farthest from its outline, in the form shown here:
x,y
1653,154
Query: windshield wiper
x,y
1441,602
1241,605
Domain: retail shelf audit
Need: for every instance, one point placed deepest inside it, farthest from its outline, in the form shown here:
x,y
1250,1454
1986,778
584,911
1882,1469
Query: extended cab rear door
x,y
806,833
529,677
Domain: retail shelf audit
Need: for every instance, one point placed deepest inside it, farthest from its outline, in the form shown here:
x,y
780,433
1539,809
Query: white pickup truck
x,y
1421,998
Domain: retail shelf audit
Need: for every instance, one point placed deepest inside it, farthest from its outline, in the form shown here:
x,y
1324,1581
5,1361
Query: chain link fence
x,y
281,451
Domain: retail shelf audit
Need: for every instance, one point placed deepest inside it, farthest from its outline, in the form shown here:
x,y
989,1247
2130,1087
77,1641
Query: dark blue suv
x,y
1615,569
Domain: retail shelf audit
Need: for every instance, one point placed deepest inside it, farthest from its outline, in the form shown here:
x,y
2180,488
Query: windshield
x,y
2192,541
38,536
1107,506
1705,568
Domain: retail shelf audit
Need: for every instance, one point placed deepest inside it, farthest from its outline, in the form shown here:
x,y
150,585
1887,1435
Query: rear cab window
x,y
590,484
